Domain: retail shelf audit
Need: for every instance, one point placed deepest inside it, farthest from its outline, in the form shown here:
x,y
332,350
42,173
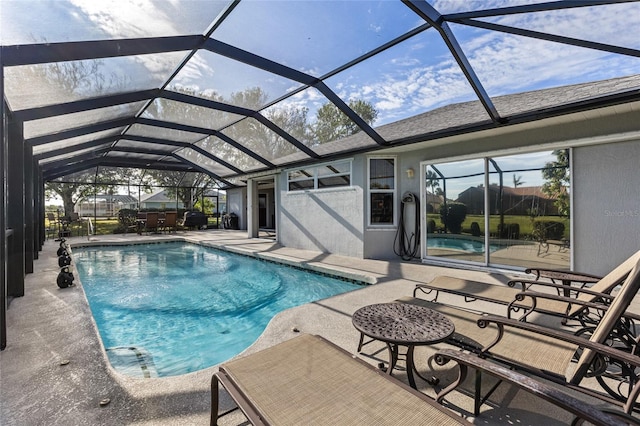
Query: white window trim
x,y
394,191
315,168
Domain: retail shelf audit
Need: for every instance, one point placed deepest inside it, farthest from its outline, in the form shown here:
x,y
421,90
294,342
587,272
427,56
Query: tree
x,y
452,215
557,180
517,181
433,180
332,124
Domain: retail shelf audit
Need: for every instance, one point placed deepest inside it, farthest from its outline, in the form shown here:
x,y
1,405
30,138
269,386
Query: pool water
x,y
462,244
173,308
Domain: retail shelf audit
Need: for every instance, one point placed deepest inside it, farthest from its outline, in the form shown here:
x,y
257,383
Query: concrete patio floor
x,y
54,370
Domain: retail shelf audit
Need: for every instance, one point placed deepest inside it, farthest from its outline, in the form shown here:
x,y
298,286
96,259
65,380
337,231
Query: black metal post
x,y
15,214
29,208
3,234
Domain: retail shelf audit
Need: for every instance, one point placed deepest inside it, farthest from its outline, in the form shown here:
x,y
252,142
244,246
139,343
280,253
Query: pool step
x,y
132,361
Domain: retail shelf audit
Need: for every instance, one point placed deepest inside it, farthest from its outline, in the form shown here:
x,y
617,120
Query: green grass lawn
x,y
108,226
525,223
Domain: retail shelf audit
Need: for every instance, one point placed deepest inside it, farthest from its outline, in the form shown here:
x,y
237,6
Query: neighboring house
x,y
434,202
523,200
104,205
160,201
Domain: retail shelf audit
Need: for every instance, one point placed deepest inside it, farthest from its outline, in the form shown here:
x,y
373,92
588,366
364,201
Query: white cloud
x,y
504,63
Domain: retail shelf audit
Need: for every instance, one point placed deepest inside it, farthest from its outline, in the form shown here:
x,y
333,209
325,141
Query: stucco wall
x,y
237,203
334,220
379,243
329,220
606,208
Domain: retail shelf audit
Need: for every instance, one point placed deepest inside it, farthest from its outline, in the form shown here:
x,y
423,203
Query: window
x,y
322,176
382,191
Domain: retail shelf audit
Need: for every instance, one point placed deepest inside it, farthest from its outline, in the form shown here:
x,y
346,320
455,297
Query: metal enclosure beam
x,y
3,209
433,17
29,206
81,131
42,53
15,212
85,105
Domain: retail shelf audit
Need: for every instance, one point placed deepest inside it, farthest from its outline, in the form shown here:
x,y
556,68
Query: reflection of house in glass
x,y
105,205
434,201
524,200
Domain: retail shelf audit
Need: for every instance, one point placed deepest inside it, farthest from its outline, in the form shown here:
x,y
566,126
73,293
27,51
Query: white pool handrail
x,y
89,228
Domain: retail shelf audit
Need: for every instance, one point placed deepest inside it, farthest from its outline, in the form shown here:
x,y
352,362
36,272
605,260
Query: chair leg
x,y
479,399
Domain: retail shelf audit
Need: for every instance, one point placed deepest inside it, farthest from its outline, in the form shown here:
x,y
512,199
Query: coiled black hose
x,y
404,245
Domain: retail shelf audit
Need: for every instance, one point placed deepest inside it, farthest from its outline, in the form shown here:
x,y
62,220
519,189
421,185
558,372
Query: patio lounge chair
x,y
310,381
466,360
581,304
548,352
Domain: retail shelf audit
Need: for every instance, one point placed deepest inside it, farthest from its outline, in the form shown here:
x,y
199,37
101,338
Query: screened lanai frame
x,y
150,103
302,53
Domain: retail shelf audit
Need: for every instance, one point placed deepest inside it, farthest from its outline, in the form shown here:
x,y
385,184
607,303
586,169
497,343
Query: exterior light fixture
x,y
410,173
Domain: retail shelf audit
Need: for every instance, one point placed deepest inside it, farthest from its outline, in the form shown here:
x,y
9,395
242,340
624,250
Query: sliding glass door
x,y
510,210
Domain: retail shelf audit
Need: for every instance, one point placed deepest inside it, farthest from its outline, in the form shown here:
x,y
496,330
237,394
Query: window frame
x,y
316,178
393,191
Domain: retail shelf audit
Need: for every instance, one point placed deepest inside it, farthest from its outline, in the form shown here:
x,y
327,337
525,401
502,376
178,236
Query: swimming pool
x,y
173,308
460,244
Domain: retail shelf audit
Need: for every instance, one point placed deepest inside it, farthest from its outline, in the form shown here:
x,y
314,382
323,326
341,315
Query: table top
x,y
403,323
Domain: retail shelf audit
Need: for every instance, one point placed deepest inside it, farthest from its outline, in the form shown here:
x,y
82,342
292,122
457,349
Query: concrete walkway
x,y
54,370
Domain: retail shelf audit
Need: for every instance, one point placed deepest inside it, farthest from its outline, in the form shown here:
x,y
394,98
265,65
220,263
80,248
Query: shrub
x,y
452,215
548,230
509,231
127,218
475,229
431,226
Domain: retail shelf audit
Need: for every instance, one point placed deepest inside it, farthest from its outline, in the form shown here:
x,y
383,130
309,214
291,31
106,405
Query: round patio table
x,y
402,324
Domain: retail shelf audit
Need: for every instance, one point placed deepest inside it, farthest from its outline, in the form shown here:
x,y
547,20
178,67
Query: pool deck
x,y
54,370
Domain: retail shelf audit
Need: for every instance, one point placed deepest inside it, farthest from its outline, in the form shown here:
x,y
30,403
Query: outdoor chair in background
x,y
549,353
308,380
170,222
151,222
580,303
76,223
53,226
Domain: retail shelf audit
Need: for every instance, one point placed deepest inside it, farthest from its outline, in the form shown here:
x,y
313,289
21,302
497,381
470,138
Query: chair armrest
x,y
558,274
526,284
572,301
569,300
545,391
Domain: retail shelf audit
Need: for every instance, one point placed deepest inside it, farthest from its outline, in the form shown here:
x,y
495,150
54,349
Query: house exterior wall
x,y
606,205
237,203
605,209
161,205
335,220
327,220
380,243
